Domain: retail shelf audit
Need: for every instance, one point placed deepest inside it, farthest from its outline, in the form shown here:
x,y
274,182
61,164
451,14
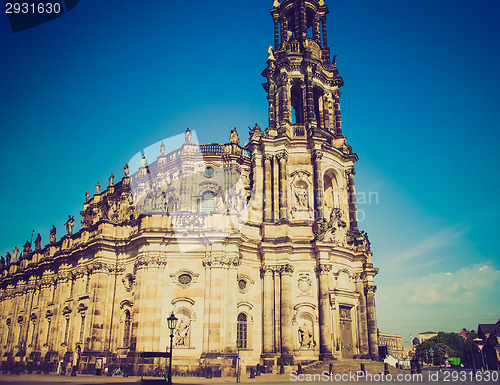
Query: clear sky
x,y
82,94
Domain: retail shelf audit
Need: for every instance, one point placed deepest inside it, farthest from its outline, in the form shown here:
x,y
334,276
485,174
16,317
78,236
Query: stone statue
x,y
87,196
2,261
301,196
162,149
27,248
181,334
111,180
70,223
15,254
270,53
187,135
53,232
143,160
306,337
98,188
233,138
276,4
8,259
126,171
38,242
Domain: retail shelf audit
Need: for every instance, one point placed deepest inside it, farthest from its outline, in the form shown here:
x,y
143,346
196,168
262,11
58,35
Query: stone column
x,y
362,322
276,31
338,120
316,30
268,196
323,25
353,209
325,334
318,185
286,109
268,309
371,321
283,156
303,21
258,187
309,99
271,97
286,314
326,111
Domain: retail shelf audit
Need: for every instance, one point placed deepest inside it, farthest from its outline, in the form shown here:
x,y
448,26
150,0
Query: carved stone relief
x,y
301,194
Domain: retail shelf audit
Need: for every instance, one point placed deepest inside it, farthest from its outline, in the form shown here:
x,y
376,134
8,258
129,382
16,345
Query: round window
x,y
209,171
242,284
184,279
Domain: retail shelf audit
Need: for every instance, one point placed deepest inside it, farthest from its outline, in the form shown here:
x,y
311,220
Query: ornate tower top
x,y
302,83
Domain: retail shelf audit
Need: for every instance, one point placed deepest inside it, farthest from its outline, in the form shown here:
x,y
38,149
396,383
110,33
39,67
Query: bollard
x,y
299,369
73,371
386,369
282,369
362,369
252,372
257,370
330,367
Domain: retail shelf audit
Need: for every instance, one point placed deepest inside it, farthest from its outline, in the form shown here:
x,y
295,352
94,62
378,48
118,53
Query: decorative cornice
x,y
323,268
221,262
149,262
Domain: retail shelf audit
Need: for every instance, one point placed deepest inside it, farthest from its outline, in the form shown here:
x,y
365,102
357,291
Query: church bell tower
x,y
304,202
302,83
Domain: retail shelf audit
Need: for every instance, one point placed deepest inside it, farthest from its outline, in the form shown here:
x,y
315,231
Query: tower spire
x,y
302,83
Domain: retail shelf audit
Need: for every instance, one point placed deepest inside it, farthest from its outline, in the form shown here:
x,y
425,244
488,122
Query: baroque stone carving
x,y
304,284
181,335
334,230
323,268
221,262
306,340
301,191
69,224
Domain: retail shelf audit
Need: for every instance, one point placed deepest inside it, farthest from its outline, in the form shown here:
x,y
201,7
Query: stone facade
x,y
255,249
394,345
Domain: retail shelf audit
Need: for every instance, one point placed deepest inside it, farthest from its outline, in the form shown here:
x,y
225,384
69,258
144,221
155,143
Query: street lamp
x,y
238,368
172,323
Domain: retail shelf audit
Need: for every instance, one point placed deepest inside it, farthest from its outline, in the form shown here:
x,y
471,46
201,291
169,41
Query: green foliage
x,y
451,344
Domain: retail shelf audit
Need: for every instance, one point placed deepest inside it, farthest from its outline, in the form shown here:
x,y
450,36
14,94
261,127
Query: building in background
x,y
426,335
393,343
255,249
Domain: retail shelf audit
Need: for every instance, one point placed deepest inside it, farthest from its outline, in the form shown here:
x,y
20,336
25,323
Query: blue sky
x,y
82,94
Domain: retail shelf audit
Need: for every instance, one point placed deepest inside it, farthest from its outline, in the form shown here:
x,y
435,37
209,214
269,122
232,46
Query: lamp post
x,y
238,368
172,323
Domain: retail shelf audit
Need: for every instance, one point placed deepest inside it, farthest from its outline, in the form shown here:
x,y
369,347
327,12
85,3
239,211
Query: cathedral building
x,y
255,249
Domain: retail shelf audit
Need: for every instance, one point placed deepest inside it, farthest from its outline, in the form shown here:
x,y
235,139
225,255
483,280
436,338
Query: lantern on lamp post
x,y
172,323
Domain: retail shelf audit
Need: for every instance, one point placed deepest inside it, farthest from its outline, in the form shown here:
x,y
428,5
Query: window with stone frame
x,y
242,331
71,286
82,328
54,288
207,202
126,328
49,321
66,330
20,338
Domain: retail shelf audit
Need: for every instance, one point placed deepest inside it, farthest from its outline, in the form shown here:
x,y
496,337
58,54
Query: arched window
x,y
242,331
330,191
207,202
126,329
